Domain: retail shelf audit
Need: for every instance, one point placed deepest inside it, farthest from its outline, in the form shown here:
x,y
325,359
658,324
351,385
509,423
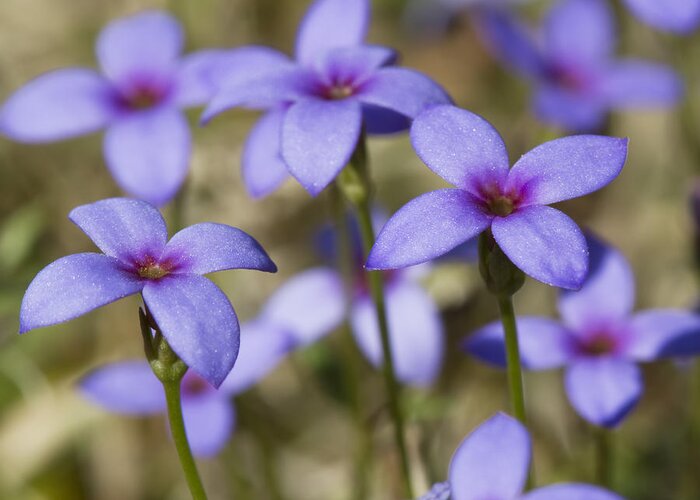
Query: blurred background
x,y
295,438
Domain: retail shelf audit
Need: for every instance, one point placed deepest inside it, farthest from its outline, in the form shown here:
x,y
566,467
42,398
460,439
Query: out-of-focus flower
x,y
466,151
492,463
319,104
312,303
599,340
138,96
577,81
676,16
131,388
193,314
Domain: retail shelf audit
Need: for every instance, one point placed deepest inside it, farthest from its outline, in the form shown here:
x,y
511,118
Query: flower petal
x,y
383,121
607,294
262,166
544,343
208,247
567,168
308,305
195,80
545,244
148,153
461,147
664,333
329,24
318,139
354,64
126,229
58,105
127,387
678,16
426,227
198,322
73,286
416,333
603,390
402,90
510,41
571,491
209,422
633,84
492,461
570,110
147,44
263,346
580,31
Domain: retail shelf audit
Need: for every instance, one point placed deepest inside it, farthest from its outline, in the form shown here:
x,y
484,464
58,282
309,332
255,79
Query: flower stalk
x,y
355,185
170,369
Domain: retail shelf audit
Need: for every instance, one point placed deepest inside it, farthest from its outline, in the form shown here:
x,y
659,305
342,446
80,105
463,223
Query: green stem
x,y
177,429
514,369
603,458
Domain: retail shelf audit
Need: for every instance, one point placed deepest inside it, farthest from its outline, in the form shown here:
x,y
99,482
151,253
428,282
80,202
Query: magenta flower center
x,y
568,77
598,344
193,385
151,269
498,202
142,95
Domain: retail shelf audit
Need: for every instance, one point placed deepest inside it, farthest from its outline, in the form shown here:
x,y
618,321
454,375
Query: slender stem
x,y
603,458
376,285
177,429
514,368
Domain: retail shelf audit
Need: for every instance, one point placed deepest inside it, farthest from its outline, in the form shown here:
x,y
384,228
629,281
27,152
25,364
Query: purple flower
x,y
468,152
318,104
137,97
131,388
492,463
193,314
599,340
577,81
677,16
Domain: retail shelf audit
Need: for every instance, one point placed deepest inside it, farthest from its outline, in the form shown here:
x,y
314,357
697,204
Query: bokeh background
x,y
296,438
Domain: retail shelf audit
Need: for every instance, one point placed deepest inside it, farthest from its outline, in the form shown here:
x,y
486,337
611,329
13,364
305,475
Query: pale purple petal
x,y
544,343
603,390
148,153
570,110
243,63
198,322
510,41
402,90
571,491
354,64
127,387
427,227
262,166
126,229
145,45
58,105
416,333
607,294
318,139
195,80
461,147
580,31
263,347
209,422
632,83
73,286
267,90
545,244
567,168
661,333
678,16
208,247
383,121
330,24
492,461
308,305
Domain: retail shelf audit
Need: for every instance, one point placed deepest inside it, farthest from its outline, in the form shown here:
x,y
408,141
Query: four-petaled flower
x,y
599,341
193,314
676,16
138,98
577,81
320,103
468,152
492,463
131,388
